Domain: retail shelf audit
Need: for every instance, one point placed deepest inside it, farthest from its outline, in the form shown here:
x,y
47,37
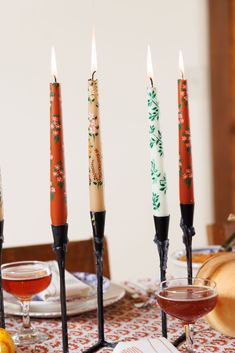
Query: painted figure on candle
x,y
185,155
158,175
57,184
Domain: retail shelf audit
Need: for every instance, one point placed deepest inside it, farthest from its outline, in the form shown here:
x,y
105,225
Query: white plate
x,y
52,309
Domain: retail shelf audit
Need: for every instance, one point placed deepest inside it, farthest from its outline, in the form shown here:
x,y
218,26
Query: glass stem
x,y
189,338
25,312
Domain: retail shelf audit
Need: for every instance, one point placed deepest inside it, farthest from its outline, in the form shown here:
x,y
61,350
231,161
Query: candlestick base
x,y
179,340
2,315
98,223
161,239
60,248
100,344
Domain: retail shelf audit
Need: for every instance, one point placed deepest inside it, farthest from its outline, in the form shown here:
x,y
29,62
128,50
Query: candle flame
x,y
149,64
93,54
181,64
53,63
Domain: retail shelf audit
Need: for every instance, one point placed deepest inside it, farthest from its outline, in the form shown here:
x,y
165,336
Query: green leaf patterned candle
x,y
158,175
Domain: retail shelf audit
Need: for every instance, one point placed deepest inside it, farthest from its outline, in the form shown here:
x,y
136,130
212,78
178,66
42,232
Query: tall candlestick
x,y
58,193
158,175
57,167
159,185
185,154
96,182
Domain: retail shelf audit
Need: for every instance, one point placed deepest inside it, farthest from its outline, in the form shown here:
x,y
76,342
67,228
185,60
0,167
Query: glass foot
x,y
29,336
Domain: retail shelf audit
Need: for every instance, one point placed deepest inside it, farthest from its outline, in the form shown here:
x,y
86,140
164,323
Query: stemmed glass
x,y
24,279
188,301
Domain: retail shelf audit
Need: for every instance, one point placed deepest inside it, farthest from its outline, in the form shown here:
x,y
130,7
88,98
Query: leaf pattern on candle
x,y
93,92
186,138
155,201
52,191
153,104
56,127
157,176
156,139
159,182
58,173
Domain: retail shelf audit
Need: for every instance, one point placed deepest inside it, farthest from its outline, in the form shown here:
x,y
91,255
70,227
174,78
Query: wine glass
x,y
24,279
187,300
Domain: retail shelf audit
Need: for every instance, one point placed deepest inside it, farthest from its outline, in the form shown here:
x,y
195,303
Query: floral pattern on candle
x,y
158,175
96,183
57,170
185,155
94,153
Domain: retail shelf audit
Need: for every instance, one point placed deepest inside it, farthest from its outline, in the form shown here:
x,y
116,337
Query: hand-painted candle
x,y
57,166
185,155
1,200
96,182
158,175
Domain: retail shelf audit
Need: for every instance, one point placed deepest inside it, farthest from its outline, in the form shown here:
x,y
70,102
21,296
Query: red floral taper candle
x,y
185,153
57,166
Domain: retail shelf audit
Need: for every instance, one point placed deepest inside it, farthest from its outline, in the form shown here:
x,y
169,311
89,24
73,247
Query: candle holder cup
x,y
98,223
161,239
60,248
2,315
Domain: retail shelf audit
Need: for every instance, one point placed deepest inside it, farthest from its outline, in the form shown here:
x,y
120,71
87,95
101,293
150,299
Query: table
x,y
123,321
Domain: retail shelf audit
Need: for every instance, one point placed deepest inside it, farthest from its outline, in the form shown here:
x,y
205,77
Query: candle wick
x,y
93,74
55,79
182,75
151,80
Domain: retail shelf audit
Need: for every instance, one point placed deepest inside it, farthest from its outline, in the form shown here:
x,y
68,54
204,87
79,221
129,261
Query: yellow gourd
x,y
6,342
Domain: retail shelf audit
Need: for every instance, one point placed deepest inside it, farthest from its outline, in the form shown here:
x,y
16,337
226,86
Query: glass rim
x,y
187,279
24,262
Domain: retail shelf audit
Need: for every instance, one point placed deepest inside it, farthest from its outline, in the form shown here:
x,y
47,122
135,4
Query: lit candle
x,y
158,175
185,155
1,201
96,182
57,166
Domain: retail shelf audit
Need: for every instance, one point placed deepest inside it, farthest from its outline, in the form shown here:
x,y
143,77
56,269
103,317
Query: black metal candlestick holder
x,y
186,224
98,223
2,316
161,239
60,235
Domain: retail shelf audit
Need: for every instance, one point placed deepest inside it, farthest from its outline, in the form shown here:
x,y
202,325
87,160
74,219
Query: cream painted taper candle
x,y
1,200
96,182
158,175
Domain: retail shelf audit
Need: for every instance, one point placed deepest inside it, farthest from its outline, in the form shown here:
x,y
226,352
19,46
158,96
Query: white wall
x,y
123,29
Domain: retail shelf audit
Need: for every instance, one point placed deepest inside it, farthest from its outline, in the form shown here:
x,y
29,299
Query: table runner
x,y
123,321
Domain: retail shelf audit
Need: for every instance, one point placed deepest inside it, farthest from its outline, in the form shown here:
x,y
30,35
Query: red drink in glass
x,y
187,303
24,279
25,287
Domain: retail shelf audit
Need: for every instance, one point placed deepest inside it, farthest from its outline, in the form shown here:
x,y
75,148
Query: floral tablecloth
x,y
123,321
